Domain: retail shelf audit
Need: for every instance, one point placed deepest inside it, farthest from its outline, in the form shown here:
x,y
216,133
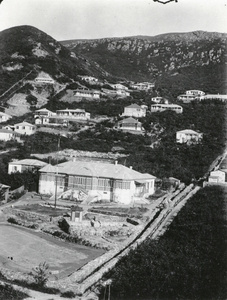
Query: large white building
x,y
103,181
131,125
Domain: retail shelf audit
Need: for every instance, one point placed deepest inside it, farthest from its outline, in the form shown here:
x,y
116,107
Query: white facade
x,y
4,117
162,107
44,78
195,93
24,165
8,135
217,176
118,86
25,128
89,79
142,86
188,136
86,93
134,110
77,114
101,181
130,124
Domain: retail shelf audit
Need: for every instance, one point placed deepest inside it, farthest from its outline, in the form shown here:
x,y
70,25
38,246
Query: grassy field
x,y
28,249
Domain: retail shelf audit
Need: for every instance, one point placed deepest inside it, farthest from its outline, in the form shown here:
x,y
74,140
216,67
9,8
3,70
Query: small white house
x,y
9,135
118,86
134,110
142,86
188,136
77,114
25,165
25,128
42,116
4,117
218,176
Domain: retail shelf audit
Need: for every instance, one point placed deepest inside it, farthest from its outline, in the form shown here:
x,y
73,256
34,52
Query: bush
x,y
68,294
41,274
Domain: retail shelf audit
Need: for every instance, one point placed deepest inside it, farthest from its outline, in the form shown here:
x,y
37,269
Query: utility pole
x,y
56,181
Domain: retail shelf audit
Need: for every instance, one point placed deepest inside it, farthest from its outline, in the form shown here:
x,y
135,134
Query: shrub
x,y
41,274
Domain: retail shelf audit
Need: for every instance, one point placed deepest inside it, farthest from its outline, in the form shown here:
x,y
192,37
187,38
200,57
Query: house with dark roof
x,y
103,181
25,165
134,110
130,124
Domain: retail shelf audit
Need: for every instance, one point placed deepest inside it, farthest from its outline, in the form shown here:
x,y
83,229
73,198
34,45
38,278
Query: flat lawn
x,y
28,249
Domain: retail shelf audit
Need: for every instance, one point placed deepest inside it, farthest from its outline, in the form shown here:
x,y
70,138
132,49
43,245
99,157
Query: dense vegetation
x,y
7,292
188,262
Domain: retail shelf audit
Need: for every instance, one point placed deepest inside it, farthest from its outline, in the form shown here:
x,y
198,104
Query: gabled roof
x,y
94,169
134,105
129,120
4,114
24,124
189,131
29,162
43,110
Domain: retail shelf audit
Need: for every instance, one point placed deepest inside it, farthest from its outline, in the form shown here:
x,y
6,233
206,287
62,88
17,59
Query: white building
x,y
214,97
118,86
24,128
4,117
89,79
134,110
162,107
142,86
86,93
9,135
42,116
188,136
187,98
25,165
102,181
76,114
195,93
218,176
130,124
44,78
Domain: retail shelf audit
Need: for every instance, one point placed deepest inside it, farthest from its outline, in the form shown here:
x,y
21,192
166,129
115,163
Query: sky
x,y
91,19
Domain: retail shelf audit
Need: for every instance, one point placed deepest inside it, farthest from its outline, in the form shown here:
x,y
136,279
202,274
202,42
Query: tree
x,y
41,274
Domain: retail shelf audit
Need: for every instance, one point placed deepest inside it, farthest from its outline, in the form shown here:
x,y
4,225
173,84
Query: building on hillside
x,y
116,93
44,78
42,116
186,98
195,93
4,117
89,79
218,176
162,107
9,135
24,128
86,93
188,136
134,110
130,124
160,100
101,181
213,97
77,114
142,86
118,86
25,165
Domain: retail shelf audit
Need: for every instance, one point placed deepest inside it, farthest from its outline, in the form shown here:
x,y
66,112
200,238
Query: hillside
x,y
181,57
25,49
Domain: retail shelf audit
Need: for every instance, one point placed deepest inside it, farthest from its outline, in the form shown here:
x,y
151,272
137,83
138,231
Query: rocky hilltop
x,y
25,49
149,58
